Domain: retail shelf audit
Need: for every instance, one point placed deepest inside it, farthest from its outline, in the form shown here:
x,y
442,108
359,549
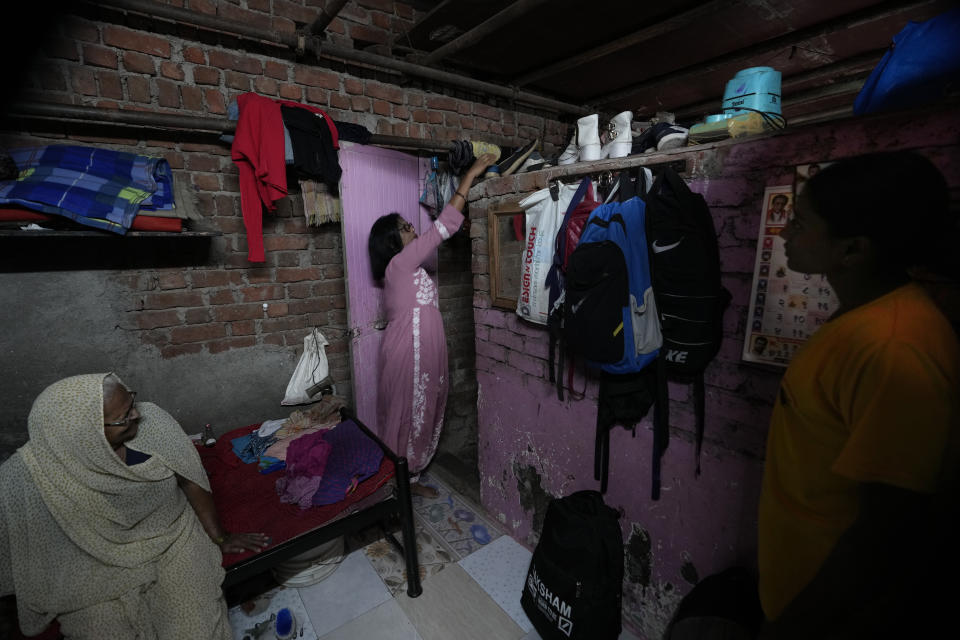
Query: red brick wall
x,y
87,61
96,57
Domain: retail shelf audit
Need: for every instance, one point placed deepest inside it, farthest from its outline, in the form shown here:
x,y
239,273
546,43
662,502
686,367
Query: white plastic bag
x,y
543,218
311,369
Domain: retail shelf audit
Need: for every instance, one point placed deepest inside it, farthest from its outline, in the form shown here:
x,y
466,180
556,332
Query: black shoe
x,y
671,137
513,162
647,141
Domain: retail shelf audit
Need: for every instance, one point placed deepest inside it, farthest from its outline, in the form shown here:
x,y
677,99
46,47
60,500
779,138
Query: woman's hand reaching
x,y
240,542
480,165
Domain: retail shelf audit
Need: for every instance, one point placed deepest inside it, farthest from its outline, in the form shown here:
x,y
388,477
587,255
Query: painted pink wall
x,y
532,446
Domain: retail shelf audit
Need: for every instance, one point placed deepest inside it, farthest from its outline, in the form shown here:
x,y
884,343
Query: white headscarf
x,y
80,526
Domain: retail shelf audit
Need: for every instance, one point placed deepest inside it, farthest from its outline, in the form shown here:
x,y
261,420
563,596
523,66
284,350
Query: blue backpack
x,y
610,317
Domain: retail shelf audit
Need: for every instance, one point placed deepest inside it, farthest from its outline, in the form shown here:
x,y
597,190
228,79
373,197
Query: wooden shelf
x,y
62,233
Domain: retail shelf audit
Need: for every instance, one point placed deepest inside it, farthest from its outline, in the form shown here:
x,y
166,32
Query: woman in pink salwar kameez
x,y
412,390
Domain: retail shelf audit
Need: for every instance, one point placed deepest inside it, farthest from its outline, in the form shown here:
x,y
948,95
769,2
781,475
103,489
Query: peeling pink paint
x,y
705,524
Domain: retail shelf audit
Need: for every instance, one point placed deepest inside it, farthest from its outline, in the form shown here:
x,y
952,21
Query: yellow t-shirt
x,y
872,397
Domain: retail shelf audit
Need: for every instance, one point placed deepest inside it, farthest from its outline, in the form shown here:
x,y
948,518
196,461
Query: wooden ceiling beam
x,y
482,30
749,55
668,25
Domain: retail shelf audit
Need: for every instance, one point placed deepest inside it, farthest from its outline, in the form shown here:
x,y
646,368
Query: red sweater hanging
x,y
259,155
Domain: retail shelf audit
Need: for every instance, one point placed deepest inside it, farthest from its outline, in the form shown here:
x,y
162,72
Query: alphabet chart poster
x,y
786,307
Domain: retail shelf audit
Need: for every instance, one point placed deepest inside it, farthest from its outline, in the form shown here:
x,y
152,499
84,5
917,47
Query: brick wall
x,y
531,446
85,60
209,310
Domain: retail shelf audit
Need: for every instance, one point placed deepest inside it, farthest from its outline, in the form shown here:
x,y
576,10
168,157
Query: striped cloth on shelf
x,y
100,188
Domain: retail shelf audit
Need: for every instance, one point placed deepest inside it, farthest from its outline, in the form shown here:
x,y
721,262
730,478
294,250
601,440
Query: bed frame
x,y
398,503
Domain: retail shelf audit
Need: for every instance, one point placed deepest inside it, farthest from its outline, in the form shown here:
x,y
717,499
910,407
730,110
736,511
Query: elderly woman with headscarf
x,y
107,523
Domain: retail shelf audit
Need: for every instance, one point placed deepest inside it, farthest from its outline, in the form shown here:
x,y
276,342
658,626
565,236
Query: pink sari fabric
x,y
306,461
412,391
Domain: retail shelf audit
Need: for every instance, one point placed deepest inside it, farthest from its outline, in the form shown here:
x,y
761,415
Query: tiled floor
x,y
472,579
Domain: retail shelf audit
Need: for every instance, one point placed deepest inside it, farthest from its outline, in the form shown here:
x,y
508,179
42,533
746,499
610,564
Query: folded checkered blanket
x,y
96,187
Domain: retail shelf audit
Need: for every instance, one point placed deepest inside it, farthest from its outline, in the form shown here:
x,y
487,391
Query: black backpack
x,y
685,271
598,288
573,589
568,236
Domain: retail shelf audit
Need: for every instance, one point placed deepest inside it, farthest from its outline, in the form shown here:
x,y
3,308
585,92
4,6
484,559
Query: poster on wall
x,y
786,307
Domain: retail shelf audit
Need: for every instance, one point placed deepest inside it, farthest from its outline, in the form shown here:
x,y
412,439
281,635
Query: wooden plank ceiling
x,y
670,55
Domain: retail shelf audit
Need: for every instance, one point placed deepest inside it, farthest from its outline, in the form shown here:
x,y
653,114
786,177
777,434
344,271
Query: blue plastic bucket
x,y
753,89
717,117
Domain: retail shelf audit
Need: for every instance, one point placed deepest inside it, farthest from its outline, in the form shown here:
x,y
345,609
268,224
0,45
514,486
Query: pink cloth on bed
x,y
412,390
279,449
306,461
298,490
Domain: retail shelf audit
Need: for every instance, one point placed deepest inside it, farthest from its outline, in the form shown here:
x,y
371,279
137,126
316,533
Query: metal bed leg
x,y
409,533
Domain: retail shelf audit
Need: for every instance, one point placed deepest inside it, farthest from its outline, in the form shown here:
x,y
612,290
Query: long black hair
x,y
384,243
898,200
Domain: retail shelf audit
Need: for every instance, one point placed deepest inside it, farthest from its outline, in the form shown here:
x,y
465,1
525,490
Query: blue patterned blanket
x,y
96,187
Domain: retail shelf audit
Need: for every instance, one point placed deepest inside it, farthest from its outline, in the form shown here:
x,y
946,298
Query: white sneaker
x,y
534,162
570,154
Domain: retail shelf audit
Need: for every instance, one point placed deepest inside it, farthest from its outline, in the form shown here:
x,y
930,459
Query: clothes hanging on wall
x,y
319,205
313,152
350,132
233,113
439,187
346,131
258,151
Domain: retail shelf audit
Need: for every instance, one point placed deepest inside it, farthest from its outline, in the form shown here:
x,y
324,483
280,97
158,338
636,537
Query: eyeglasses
x,y
126,417
405,226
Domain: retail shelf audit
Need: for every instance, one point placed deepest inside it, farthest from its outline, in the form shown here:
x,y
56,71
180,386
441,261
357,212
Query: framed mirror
x,y
505,235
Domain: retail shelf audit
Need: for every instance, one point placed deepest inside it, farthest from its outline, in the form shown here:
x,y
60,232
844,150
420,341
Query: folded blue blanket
x,y
96,187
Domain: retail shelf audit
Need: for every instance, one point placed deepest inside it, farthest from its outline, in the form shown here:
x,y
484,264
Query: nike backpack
x,y
610,319
609,311
567,239
685,272
573,589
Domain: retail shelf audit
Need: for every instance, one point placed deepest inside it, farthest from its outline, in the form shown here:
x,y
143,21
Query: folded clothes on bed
x,y
298,490
270,427
247,500
353,458
281,444
307,455
269,465
250,448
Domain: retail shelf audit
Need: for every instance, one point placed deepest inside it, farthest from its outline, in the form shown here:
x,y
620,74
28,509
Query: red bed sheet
x,y
247,500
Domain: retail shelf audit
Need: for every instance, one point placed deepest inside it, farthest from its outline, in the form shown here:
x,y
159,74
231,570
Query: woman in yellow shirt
x,y
862,449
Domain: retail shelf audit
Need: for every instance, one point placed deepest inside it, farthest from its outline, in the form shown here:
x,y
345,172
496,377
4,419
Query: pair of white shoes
x,y
585,146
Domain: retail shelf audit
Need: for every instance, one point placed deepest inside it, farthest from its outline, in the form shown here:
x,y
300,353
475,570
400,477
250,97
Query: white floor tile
x,y
501,568
385,622
454,607
352,590
269,603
